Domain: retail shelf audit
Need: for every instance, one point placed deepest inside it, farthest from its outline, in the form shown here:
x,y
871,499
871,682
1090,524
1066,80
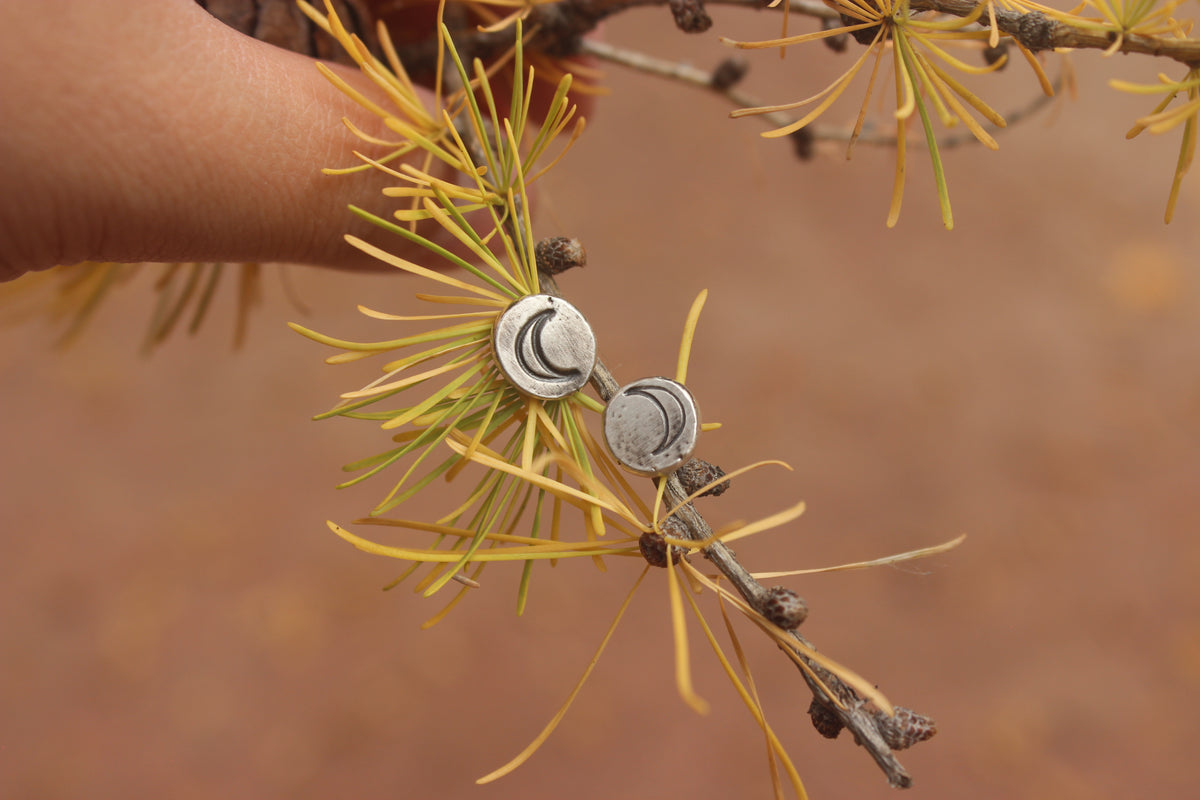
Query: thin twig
x,y
853,712
698,78
559,28
674,70
1037,32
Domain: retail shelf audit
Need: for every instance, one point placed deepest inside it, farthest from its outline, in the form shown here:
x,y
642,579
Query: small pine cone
x,y
991,55
864,36
559,254
698,473
905,729
1036,31
729,73
824,719
784,608
690,16
654,546
802,142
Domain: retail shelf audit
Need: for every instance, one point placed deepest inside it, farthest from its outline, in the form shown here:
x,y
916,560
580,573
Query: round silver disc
x,y
544,346
652,425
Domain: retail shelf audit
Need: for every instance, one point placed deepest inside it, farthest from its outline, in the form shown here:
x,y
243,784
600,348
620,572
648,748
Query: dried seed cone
x,y
784,607
698,473
906,728
991,55
729,73
558,254
824,719
803,144
654,548
865,36
690,15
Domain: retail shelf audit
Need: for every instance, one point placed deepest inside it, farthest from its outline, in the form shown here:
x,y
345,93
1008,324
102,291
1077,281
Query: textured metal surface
x,y
544,346
651,426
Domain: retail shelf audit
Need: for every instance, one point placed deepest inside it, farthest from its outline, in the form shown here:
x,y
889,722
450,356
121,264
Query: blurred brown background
x,y
179,623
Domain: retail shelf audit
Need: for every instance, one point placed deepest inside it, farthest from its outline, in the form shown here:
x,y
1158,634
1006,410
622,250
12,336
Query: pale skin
x,y
146,130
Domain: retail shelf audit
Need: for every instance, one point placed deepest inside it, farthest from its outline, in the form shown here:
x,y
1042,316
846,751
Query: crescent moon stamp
x,y
544,347
651,426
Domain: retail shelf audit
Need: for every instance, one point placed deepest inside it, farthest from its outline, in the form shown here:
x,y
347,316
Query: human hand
x,y
147,130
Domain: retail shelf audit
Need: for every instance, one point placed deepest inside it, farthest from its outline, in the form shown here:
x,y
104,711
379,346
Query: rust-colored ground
x,y
177,622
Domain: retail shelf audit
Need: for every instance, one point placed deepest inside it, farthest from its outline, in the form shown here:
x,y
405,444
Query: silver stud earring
x,y
651,426
544,347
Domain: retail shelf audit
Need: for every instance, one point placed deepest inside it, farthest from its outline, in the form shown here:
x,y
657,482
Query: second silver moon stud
x,y
544,347
651,426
